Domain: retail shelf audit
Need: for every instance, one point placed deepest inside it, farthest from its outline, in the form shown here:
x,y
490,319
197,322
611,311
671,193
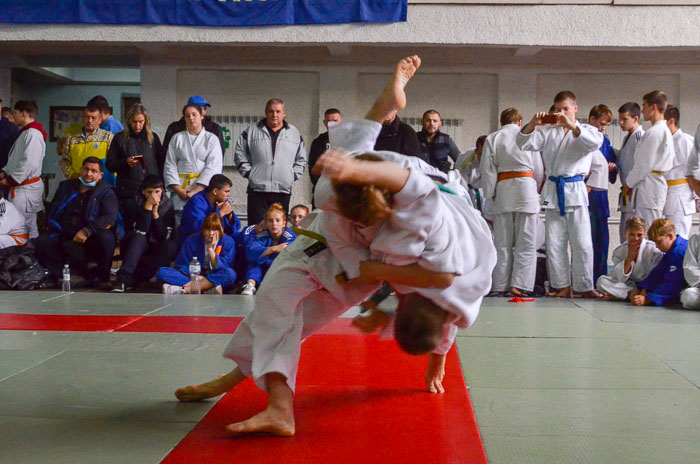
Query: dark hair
x,y
6,111
94,160
29,106
510,116
657,98
192,105
631,108
600,111
363,203
100,102
419,325
304,207
218,181
480,141
275,101
330,111
151,181
431,112
564,95
672,113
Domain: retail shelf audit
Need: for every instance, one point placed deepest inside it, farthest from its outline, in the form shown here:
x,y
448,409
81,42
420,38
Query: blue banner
x,y
202,12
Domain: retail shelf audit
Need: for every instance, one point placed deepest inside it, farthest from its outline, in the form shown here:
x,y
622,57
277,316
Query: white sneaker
x,y
173,289
248,289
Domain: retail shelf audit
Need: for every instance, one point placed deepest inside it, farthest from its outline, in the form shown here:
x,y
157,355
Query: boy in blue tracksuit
x,y
214,199
601,116
263,248
664,283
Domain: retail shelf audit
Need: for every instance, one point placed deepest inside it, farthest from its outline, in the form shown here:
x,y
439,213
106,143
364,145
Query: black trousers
x,y
54,252
259,202
141,260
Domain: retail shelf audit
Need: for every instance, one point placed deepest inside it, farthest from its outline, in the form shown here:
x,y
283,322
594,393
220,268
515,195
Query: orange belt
x,y
676,182
21,239
513,175
26,182
658,173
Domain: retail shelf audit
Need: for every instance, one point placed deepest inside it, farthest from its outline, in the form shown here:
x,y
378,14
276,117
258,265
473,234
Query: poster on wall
x,y
65,120
221,13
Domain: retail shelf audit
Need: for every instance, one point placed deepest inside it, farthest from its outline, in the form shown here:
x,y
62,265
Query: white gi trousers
x,y
290,305
683,223
7,241
574,228
607,284
29,202
690,298
649,215
515,237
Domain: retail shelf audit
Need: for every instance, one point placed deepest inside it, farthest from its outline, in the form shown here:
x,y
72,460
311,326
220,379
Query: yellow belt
x,y
310,234
188,178
676,182
660,173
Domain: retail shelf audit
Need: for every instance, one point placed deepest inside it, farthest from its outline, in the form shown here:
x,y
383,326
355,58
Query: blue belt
x,y
560,181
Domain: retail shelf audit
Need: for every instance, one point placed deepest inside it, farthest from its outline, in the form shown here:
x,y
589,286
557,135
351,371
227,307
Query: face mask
x,y
87,184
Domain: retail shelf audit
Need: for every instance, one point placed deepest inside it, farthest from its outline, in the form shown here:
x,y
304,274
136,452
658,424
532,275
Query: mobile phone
x,y
549,119
138,156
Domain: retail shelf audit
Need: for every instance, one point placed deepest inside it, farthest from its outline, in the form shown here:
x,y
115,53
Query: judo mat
x,y
359,399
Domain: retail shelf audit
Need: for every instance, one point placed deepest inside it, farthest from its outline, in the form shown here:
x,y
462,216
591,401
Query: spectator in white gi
x,y
13,230
629,117
680,199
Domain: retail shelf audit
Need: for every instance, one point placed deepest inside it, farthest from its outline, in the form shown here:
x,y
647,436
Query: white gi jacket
x,y
654,153
11,224
647,258
202,158
25,162
691,261
563,155
693,169
625,162
680,198
599,172
502,154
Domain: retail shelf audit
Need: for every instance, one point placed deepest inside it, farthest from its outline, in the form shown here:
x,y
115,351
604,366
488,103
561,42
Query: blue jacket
x,y
598,205
256,246
112,125
194,246
196,210
665,282
101,211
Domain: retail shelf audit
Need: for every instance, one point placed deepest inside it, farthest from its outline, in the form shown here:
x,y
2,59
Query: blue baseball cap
x,y
198,100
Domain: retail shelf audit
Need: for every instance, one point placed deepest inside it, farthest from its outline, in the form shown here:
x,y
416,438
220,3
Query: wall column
x,y
158,95
517,87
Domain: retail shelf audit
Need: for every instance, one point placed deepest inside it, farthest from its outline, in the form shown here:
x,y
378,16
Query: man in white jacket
x,y
653,158
680,199
508,180
22,174
567,148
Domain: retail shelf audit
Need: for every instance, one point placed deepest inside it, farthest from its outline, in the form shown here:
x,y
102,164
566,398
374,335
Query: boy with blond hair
x,y
664,283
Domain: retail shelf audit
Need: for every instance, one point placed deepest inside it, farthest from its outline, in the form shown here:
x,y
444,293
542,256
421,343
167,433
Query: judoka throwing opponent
x,y
301,292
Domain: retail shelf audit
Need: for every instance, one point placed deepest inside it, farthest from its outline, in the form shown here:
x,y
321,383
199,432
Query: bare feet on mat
x,y
589,294
562,293
268,422
435,373
210,389
393,97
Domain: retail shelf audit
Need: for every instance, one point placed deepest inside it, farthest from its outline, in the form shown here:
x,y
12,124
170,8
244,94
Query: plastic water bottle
x,y
66,278
195,271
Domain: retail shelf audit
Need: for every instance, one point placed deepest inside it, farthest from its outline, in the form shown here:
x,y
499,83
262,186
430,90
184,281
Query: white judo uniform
x,y
516,204
690,297
13,229
567,160
680,199
625,163
468,165
653,158
598,178
24,166
191,161
619,284
300,294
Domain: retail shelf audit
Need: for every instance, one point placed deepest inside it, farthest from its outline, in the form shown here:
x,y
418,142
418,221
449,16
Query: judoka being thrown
x,y
442,284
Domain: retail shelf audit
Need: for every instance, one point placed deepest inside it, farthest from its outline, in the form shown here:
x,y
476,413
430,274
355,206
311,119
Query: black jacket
x,y
180,125
318,147
399,137
140,221
438,150
100,213
121,148
8,134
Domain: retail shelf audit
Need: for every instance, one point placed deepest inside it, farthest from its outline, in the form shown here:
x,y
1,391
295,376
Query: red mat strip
x,y
359,400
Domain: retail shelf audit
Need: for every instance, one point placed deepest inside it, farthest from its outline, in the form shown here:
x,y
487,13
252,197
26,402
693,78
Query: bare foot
x,y
393,97
435,373
609,297
210,389
561,293
269,422
589,294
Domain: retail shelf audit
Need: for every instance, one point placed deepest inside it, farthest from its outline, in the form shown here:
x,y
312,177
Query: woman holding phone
x,y
134,154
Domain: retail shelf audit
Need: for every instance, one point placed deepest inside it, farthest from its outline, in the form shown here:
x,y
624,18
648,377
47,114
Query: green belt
x,y
310,234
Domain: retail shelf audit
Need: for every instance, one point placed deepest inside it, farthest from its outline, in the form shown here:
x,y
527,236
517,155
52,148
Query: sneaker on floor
x,y
172,289
218,290
248,289
120,285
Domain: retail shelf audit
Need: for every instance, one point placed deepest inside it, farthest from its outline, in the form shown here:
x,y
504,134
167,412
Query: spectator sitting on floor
x,y
214,199
215,252
149,242
13,230
262,249
81,226
297,214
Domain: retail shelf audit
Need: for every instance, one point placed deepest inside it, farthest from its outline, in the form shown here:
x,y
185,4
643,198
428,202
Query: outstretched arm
x,y
341,168
413,275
